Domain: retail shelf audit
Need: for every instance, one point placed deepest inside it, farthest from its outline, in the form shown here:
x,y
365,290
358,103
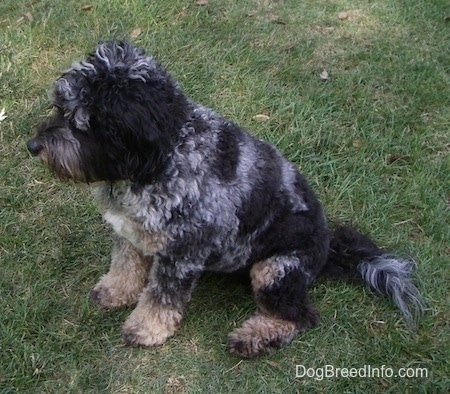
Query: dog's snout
x,y
34,147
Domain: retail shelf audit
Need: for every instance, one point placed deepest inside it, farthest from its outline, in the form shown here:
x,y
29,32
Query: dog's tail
x,y
356,257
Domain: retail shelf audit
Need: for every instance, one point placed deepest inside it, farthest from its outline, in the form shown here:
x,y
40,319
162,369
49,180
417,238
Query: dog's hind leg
x,y
279,286
126,278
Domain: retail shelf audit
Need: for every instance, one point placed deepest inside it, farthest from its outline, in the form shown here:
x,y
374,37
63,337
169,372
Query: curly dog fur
x,y
186,191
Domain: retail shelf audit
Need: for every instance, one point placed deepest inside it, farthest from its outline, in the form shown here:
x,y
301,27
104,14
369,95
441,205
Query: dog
x,y
186,192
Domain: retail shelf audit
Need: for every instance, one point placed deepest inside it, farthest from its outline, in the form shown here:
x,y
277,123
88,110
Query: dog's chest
x,y
147,242
123,210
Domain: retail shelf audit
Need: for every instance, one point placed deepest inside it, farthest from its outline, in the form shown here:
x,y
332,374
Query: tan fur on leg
x,y
265,273
259,334
126,278
151,323
267,330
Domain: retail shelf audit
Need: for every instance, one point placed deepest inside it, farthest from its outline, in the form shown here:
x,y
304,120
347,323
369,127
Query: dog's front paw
x,y
113,292
150,326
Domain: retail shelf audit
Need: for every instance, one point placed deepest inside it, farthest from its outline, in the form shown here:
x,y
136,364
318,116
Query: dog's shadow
x,y
219,304
222,291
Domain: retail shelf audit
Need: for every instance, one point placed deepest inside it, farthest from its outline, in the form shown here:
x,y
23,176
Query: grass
x,y
373,140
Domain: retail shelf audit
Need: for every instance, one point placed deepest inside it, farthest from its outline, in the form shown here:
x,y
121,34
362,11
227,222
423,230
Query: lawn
x,y
355,93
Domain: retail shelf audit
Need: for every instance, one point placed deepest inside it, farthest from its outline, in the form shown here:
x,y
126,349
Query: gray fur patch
x,y
289,173
114,56
390,275
69,94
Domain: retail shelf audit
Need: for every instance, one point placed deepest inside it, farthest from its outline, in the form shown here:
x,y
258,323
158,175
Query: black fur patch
x,y
348,248
227,152
287,299
265,193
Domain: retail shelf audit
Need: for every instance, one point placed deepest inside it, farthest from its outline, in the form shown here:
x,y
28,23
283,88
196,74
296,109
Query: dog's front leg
x,y
126,278
160,307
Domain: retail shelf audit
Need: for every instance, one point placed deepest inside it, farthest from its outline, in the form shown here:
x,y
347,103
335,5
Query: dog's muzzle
x,y
34,147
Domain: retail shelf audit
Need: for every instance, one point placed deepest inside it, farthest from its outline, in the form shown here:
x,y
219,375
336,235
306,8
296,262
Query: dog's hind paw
x,y
259,335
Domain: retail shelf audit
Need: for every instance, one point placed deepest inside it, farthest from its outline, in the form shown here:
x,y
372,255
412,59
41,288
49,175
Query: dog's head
x,y
117,115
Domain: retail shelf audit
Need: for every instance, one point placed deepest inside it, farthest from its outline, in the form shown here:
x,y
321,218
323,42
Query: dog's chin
x,y
65,176
63,170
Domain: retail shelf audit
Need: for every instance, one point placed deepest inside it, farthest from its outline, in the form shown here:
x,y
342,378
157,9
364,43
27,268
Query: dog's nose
x,y
34,147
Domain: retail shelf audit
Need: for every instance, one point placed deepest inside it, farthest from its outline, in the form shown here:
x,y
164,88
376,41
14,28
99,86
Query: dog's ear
x,y
138,143
138,107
